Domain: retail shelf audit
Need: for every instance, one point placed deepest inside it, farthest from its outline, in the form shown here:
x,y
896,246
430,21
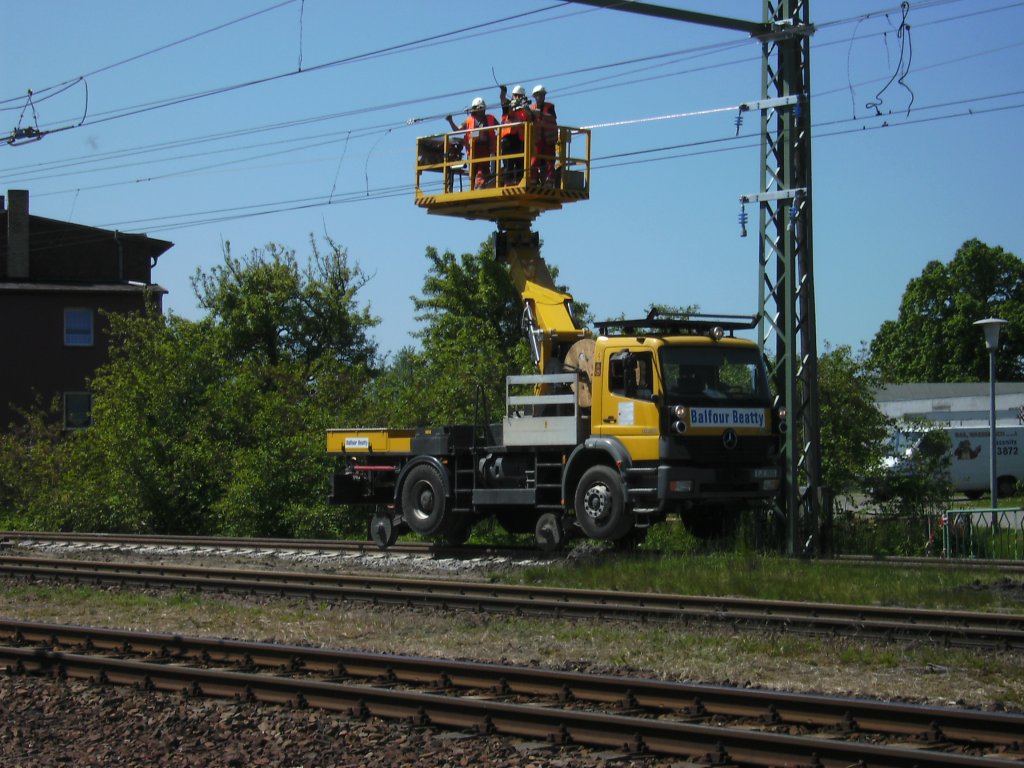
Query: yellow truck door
x,y
625,383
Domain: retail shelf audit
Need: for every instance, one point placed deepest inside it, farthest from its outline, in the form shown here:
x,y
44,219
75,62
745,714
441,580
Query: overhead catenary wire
x,y
57,88
633,157
658,118
719,109
572,89
387,50
382,128
655,56
174,222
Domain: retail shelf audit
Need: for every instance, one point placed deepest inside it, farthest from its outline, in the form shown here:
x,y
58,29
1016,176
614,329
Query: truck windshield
x,y
713,374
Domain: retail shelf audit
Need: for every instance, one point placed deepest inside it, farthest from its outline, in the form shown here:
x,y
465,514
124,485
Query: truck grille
x,y
750,450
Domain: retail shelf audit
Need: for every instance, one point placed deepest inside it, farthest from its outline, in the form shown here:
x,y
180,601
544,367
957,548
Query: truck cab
x,y
685,410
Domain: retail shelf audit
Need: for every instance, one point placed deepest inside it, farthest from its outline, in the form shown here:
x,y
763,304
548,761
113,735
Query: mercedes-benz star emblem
x,y
729,439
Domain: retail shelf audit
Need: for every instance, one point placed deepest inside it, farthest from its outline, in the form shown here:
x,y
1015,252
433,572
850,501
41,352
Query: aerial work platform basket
x,y
503,186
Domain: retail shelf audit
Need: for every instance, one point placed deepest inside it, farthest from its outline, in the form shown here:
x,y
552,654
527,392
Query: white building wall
x,y
956,407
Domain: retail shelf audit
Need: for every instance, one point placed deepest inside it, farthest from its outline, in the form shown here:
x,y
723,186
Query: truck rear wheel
x,y
601,504
424,506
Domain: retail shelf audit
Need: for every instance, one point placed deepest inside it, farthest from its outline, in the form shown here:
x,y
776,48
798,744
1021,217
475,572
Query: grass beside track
x,y
777,578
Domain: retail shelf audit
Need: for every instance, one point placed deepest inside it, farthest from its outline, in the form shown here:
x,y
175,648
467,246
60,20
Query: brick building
x,y
56,280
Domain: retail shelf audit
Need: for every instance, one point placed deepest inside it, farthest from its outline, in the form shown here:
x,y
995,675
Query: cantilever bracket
x,y
768,197
785,30
782,101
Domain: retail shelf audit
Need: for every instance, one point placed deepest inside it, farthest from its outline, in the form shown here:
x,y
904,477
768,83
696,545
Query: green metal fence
x,y
983,534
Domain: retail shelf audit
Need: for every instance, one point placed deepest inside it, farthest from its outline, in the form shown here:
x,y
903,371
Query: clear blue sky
x,y
330,149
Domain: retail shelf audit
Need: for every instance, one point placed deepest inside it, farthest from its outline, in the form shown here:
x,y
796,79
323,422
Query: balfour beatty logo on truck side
x,y
357,443
727,417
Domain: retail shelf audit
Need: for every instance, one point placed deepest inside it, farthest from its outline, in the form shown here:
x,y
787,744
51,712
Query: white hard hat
x,y
539,89
519,91
478,103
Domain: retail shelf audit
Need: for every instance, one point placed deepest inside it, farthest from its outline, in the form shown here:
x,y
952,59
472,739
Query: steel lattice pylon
x,y
786,263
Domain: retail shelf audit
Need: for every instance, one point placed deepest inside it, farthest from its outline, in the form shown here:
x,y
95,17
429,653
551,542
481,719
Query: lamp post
x,y
991,326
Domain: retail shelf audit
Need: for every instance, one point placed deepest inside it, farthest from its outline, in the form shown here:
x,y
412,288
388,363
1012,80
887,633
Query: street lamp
x,y
991,326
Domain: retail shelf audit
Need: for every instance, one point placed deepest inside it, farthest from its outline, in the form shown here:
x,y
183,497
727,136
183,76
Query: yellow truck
x,y
621,426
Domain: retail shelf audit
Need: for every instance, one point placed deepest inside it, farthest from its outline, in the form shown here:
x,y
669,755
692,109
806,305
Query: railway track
x,y
221,543
962,628
423,549
1006,566
713,724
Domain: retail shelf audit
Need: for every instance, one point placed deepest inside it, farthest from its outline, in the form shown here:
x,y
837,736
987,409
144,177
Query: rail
x,y
983,534
691,720
959,628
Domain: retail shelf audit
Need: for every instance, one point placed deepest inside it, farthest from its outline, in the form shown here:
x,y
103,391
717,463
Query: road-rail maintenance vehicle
x,y
620,426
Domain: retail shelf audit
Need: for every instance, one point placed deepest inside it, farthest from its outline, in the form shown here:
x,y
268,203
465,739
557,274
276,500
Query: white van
x,y
969,460
968,455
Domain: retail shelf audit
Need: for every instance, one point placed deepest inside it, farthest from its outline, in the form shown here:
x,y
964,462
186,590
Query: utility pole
x,y
786,264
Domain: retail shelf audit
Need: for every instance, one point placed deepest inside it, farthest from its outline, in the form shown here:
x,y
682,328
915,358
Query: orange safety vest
x,y
518,115
480,143
548,128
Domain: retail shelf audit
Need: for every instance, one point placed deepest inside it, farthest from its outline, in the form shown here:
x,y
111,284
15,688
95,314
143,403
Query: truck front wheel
x,y
601,504
424,506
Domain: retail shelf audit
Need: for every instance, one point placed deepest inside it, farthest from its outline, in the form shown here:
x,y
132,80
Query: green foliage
x,y
909,494
471,337
150,461
217,426
271,309
779,578
671,536
920,483
395,397
933,339
32,459
852,428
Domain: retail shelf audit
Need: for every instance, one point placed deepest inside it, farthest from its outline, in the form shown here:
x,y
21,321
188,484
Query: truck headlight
x,y
780,414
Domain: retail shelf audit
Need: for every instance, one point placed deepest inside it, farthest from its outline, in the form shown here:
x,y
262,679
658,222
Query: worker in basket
x,y
545,137
481,143
515,113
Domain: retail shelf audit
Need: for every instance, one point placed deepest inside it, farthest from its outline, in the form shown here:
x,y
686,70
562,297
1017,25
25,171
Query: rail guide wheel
x,y
382,529
550,532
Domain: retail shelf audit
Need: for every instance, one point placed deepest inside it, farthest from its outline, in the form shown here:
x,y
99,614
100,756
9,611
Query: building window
x,y
77,410
77,327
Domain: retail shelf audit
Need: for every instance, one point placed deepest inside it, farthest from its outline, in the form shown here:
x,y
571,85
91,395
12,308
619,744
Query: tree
x,y
32,460
275,310
395,397
853,430
933,339
153,460
472,336
217,425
